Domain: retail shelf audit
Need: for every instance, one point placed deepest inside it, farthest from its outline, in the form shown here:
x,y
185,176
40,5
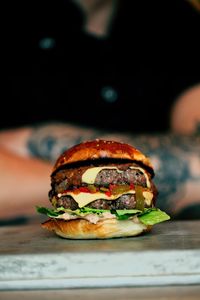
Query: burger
x,y
102,189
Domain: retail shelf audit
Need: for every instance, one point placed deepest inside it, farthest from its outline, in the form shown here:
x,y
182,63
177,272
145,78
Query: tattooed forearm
x,y
48,141
176,159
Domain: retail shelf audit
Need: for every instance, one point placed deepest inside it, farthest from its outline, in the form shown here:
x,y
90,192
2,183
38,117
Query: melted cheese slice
x,y
90,175
148,196
85,198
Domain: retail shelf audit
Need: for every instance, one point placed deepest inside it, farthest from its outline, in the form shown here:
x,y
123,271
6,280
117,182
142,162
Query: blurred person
x,y
77,70
66,60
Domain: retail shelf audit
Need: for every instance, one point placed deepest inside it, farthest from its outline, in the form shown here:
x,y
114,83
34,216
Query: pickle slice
x,y
140,200
120,189
91,188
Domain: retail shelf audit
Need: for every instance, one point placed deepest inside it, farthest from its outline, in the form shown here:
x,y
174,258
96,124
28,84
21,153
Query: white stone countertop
x,y
32,258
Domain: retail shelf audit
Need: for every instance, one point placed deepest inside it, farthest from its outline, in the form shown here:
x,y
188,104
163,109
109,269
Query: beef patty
x,y
69,179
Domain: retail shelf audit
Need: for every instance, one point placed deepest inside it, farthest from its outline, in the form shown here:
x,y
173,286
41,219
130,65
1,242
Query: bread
x,y
83,229
101,149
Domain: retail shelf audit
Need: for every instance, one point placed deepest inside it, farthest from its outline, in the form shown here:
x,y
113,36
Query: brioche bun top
x,y
101,149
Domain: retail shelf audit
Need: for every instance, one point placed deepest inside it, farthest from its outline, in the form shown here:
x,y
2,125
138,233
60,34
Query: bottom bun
x,y
83,229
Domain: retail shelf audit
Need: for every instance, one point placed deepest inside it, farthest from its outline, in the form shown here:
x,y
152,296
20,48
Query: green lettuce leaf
x,y
149,216
93,210
153,216
124,214
48,211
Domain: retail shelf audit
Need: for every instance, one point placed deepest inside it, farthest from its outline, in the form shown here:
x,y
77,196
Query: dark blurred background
x,y
53,69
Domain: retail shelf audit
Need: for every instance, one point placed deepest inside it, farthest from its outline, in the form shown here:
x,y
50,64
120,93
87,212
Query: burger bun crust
x,y
83,229
101,149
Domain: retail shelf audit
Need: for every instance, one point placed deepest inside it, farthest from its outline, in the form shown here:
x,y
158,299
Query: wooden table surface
x,y
134,293
32,258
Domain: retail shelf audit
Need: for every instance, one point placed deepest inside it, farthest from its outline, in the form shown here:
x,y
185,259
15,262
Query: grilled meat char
x,y
66,179
71,178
